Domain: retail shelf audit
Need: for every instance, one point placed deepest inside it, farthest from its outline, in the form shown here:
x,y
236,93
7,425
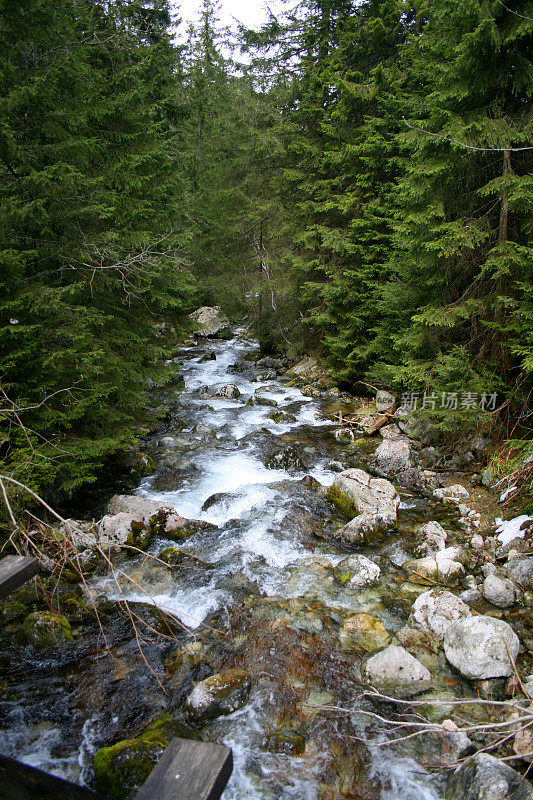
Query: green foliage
x,y
89,249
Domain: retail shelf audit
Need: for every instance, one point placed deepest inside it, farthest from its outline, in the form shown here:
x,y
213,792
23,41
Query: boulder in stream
x,y
357,570
434,611
218,695
135,520
364,633
481,647
483,777
229,391
287,458
395,671
374,499
212,322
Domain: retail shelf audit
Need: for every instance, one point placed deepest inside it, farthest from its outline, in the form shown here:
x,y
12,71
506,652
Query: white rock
x,y
375,499
477,647
429,538
477,542
396,671
140,507
114,531
364,572
499,591
211,320
455,493
434,611
393,455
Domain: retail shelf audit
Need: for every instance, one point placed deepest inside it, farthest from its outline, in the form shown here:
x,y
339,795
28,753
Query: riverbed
x,y
263,596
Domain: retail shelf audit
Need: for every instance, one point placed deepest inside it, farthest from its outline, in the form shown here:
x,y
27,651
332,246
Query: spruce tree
x,y
88,254
456,307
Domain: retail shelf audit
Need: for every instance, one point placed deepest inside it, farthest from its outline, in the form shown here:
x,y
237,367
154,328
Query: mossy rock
x,y
288,742
343,503
120,770
74,606
13,609
140,536
142,465
175,557
224,333
281,416
44,630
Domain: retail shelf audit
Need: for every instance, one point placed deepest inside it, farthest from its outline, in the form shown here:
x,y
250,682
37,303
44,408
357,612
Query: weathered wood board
x,y
20,782
189,770
15,571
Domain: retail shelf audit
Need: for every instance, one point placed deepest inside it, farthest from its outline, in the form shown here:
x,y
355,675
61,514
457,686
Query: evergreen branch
x,y
468,146
523,16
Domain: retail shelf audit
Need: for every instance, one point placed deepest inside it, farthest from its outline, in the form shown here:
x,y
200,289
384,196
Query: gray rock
x,y
392,456
211,321
203,430
287,458
521,571
434,611
499,591
230,391
483,777
429,538
218,695
375,499
390,432
479,647
439,748
357,570
454,494
140,507
397,672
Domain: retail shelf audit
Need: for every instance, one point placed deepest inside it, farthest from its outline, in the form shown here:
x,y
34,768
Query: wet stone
x,y
218,695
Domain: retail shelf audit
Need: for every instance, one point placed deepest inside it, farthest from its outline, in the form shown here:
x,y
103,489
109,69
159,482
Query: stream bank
x,y
266,600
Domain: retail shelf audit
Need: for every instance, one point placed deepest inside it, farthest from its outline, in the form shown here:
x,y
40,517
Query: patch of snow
x,y
506,494
507,530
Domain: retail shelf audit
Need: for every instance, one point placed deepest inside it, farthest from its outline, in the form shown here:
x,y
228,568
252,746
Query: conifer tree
x,y
456,307
88,254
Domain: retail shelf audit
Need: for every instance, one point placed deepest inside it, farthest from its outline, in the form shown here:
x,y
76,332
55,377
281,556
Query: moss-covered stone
x,y
44,630
13,609
364,633
120,770
288,742
140,536
74,606
343,503
175,557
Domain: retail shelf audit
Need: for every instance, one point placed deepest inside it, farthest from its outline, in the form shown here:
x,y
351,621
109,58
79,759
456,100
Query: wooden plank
x,y
189,770
14,571
19,781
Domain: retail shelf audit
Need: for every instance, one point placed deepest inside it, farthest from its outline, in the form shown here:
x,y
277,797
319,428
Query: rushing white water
x,y
259,514
256,539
